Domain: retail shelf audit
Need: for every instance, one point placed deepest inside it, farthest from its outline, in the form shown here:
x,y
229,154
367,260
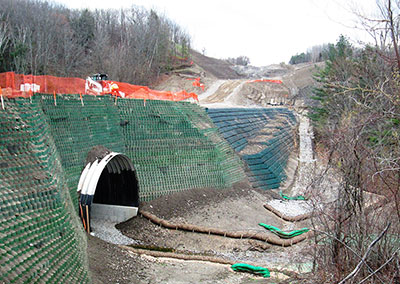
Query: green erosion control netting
x,y
40,236
174,146
282,234
76,129
263,137
243,267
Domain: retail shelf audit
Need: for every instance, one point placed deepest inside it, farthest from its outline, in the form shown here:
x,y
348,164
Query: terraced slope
x,y
43,148
175,146
263,137
40,237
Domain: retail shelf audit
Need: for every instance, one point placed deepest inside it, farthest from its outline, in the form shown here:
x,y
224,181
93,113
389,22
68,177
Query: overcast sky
x,y
264,30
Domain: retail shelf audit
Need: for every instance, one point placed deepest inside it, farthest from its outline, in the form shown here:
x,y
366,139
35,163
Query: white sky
x,y
264,30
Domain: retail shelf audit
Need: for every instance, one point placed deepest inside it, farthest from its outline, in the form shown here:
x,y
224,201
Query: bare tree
x,y
133,45
357,122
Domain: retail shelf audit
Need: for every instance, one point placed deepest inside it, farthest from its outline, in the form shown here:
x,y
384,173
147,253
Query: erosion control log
x,y
205,258
274,240
252,269
282,234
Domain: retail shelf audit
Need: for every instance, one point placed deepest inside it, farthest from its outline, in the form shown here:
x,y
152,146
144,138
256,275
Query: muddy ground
x,y
239,208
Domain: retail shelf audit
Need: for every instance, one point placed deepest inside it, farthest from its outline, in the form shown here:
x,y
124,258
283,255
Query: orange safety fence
x,y
196,83
17,85
265,80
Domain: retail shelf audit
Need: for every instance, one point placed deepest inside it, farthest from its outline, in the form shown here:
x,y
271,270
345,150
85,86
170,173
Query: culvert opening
x,y
108,188
117,188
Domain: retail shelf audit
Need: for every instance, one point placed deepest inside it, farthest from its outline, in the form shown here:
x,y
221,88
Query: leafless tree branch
x,y
371,245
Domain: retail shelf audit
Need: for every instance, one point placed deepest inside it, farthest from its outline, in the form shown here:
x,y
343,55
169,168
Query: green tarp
x,y
243,267
282,234
299,197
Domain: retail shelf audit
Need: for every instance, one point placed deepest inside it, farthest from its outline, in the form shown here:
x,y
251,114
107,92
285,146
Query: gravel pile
x,y
291,208
106,231
306,135
306,167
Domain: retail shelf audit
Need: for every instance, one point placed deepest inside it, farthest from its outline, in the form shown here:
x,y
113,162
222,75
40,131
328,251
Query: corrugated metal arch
x,y
114,162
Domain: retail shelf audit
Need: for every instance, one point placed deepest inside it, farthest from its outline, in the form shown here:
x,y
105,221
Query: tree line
x,y
133,45
240,60
316,53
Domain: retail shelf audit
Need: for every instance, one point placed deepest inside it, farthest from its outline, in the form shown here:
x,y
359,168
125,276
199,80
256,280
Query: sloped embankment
x,y
174,145
40,239
43,147
218,68
263,137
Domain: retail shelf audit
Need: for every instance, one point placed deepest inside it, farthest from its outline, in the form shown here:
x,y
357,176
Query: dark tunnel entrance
x,y
109,189
117,188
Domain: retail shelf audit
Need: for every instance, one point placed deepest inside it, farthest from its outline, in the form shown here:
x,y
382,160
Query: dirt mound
x,y
216,67
179,81
227,88
300,82
263,94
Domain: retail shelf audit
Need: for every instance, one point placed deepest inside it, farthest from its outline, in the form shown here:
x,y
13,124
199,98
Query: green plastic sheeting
x,y
243,267
282,234
299,197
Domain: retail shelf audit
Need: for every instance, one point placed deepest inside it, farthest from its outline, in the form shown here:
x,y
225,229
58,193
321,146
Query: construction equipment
x,y
98,84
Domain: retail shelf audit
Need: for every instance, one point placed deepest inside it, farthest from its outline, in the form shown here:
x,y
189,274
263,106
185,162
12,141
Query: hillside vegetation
x,y
131,45
357,122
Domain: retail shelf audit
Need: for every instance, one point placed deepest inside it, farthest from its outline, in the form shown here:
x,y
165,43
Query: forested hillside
x,y
357,122
131,45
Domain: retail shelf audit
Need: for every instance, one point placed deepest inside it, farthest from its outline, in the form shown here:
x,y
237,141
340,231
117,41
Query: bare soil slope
x,y
220,69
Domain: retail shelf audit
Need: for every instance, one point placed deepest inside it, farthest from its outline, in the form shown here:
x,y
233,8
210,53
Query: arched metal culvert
x,y
108,189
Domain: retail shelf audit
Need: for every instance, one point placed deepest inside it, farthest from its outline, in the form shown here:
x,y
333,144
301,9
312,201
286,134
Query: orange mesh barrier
x,y
196,83
17,85
265,80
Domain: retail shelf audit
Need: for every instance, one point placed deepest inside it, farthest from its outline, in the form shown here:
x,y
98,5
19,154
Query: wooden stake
x,y
82,217
55,99
87,219
2,100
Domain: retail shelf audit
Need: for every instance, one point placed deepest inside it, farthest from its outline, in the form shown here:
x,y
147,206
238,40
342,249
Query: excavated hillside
x,y
232,85
207,174
257,119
